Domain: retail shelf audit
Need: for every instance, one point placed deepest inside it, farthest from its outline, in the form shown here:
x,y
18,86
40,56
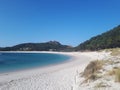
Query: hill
x,y
47,46
109,39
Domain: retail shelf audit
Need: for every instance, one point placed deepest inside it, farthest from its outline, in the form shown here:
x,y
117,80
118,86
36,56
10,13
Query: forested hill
x,y
109,39
47,46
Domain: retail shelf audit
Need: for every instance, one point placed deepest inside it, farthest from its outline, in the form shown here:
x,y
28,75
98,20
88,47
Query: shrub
x,y
92,68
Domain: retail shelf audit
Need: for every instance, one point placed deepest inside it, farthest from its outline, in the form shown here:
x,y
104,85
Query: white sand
x,y
56,77
106,81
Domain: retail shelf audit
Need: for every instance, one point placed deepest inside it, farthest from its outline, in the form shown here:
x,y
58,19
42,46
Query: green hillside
x,y
109,39
47,46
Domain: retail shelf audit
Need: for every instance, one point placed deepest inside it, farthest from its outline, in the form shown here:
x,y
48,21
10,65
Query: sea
x,y
19,61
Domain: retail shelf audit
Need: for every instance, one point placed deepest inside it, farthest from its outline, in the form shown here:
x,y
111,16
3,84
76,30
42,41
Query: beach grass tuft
x,y
117,75
91,72
115,51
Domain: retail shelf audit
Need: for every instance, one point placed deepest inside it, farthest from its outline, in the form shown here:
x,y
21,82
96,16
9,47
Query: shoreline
x,y
72,57
56,77
38,67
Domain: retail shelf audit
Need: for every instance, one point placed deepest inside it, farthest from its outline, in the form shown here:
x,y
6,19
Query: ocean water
x,y
19,61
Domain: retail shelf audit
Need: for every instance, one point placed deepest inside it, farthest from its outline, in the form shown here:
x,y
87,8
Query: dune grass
x,y
117,75
115,51
91,71
100,86
111,72
115,72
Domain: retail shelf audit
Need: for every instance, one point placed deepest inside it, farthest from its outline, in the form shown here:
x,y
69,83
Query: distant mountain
x,y
109,39
47,46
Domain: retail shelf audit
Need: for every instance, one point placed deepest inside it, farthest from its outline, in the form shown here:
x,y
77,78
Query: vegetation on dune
x,y
102,71
115,72
109,39
101,86
117,75
111,72
91,71
115,52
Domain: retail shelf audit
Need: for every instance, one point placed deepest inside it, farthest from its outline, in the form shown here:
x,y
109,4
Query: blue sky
x,y
67,21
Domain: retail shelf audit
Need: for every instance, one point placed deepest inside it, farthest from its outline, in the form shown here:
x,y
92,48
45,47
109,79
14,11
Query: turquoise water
x,y
19,61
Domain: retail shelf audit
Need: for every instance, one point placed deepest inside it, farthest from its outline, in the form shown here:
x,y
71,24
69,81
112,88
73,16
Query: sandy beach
x,y
54,77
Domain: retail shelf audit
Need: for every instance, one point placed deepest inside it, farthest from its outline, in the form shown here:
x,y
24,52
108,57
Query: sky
x,y
70,22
